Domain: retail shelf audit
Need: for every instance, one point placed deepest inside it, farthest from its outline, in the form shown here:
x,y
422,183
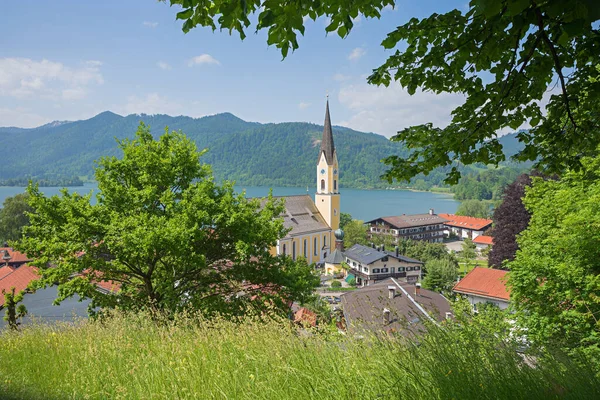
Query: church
x,y
312,223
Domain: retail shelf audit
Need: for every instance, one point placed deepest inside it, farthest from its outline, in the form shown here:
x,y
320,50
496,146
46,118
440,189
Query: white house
x,y
465,227
485,285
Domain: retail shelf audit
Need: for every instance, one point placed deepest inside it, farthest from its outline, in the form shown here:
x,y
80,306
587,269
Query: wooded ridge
x,y
250,153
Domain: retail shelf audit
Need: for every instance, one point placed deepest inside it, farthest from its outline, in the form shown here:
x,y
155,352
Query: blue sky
x,y
69,60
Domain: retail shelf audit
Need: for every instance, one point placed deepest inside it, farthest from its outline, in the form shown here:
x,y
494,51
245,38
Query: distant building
x,y
370,264
466,227
485,286
483,242
392,306
427,227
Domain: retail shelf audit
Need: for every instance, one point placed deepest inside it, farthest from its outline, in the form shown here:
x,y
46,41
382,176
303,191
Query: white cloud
x,y
21,117
356,54
26,78
341,77
163,65
152,103
303,105
203,59
388,110
150,24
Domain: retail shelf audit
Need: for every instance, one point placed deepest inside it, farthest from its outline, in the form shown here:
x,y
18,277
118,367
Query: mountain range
x,y
251,153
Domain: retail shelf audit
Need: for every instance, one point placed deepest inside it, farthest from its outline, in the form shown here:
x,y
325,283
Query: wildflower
x,y
449,372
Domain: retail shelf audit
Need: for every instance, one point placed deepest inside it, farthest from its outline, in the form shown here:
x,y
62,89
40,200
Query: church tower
x,y
327,198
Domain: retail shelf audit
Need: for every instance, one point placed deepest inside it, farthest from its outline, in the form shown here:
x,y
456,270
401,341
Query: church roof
x,y
327,145
302,215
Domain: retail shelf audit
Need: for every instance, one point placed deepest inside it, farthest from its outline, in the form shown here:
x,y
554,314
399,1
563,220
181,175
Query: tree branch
x,y
557,65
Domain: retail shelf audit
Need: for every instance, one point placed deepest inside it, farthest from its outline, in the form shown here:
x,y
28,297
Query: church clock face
x,y
323,172
335,171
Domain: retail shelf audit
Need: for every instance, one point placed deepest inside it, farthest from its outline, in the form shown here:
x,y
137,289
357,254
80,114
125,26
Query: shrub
x,y
336,284
352,282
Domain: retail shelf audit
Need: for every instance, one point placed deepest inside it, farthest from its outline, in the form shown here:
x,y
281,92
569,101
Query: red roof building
x,y
466,227
483,239
11,257
19,279
485,285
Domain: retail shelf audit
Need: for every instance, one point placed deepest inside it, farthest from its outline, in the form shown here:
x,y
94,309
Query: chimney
x,y
431,211
391,291
372,245
6,256
386,316
396,248
418,289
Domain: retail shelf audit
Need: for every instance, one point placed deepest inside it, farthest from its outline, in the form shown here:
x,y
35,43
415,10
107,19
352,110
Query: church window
x,y
322,184
284,249
324,240
294,250
334,184
334,211
315,247
305,251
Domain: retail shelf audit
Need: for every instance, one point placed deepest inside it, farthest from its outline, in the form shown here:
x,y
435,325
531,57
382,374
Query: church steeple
x,y
327,198
327,146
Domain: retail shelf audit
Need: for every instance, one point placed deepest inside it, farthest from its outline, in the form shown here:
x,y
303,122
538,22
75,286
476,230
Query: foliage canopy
x,y
166,233
13,217
555,276
503,56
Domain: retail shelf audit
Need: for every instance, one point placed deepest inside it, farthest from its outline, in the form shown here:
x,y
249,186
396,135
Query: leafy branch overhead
x,y
517,63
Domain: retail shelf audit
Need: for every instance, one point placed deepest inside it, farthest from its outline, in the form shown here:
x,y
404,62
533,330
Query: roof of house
x,y
5,270
19,279
302,215
335,257
485,282
368,255
410,221
483,239
364,308
305,316
473,223
16,257
327,146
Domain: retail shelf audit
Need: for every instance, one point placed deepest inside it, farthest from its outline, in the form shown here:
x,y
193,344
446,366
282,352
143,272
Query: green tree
x,y
13,217
468,252
425,251
14,310
474,208
355,232
555,276
502,56
166,233
345,218
441,275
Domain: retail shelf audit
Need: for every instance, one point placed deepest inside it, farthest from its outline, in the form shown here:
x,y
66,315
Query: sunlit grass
x,y
133,357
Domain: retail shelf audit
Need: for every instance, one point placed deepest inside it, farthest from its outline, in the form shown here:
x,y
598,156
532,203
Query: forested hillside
x,y
250,153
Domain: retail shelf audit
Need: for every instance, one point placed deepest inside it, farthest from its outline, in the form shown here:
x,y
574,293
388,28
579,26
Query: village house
x,y
427,227
393,306
485,286
483,242
465,227
370,264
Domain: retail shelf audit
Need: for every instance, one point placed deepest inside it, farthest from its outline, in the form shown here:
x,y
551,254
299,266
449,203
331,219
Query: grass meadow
x,y
134,357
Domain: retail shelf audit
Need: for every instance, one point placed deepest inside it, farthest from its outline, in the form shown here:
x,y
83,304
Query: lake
x,y
362,204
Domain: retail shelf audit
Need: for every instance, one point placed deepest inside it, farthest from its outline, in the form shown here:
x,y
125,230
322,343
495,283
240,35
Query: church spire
x,y
327,142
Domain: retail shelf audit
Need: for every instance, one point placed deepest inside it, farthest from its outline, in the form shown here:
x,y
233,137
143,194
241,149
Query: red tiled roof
x,y
16,257
459,221
19,279
5,271
483,239
485,282
305,316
